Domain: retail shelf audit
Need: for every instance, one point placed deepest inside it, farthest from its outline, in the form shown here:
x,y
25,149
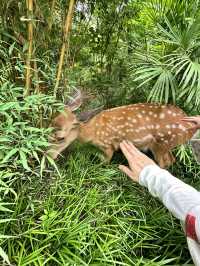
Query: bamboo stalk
x,y
36,76
29,4
65,46
51,17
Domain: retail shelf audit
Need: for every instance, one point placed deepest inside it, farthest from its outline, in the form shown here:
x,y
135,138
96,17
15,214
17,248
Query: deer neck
x,y
86,132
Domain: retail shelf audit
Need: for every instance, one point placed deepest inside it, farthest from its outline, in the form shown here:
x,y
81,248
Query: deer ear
x,y
85,116
75,100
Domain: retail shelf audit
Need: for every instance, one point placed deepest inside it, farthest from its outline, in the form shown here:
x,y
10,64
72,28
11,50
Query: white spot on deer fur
x,y
169,132
162,116
143,112
182,127
129,118
174,114
169,112
157,126
155,115
166,141
160,134
147,118
98,132
139,116
134,120
174,126
150,113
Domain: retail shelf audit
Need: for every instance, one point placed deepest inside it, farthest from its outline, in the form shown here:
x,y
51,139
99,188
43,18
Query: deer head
x,y
66,126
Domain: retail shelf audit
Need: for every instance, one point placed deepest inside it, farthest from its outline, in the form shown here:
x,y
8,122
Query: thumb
x,y
128,172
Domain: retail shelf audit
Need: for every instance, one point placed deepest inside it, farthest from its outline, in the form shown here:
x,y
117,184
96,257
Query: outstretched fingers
x,y
127,171
125,147
193,119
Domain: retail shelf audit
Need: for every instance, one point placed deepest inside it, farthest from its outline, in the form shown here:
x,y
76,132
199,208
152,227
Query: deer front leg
x,y
56,149
108,153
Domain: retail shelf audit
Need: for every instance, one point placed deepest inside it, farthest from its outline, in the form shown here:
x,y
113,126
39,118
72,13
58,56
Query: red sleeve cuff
x,y
190,227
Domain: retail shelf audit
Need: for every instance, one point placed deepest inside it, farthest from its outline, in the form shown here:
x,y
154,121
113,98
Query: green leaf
x,y
4,256
11,48
42,165
23,160
52,162
4,209
9,155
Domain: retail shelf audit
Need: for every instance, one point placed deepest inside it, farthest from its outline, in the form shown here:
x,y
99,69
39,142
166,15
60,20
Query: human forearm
x,y
178,197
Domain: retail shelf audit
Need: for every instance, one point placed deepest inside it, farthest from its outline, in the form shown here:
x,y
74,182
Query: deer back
x,y
137,123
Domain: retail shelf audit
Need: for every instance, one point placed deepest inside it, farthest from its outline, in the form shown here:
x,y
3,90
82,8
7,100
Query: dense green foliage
x,y
80,211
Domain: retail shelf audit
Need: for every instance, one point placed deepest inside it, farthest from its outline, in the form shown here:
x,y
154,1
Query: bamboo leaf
x,y
4,256
9,155
23,160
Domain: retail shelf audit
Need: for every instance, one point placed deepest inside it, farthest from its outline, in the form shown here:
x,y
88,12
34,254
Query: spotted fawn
x,y
149,126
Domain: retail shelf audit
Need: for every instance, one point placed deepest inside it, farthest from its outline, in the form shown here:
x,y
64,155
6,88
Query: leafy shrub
x,y
23,141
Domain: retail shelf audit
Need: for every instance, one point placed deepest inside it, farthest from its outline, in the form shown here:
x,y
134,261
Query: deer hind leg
x,y
162,155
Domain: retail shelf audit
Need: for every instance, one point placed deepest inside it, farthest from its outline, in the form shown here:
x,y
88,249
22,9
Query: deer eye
x,y
60,139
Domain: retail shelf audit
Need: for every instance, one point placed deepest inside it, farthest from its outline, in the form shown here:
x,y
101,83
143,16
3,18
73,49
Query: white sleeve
x,y
178,197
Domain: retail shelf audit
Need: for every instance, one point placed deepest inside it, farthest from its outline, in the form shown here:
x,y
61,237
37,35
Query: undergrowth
x,y
78,211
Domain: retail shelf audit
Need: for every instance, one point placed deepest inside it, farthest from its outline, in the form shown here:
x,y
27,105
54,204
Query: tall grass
x,y
89,215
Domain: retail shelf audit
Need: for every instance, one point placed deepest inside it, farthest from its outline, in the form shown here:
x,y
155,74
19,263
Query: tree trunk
x,y
65,46
29,4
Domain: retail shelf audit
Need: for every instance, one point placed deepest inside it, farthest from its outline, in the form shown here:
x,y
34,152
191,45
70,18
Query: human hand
x,y
193,119
136,159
